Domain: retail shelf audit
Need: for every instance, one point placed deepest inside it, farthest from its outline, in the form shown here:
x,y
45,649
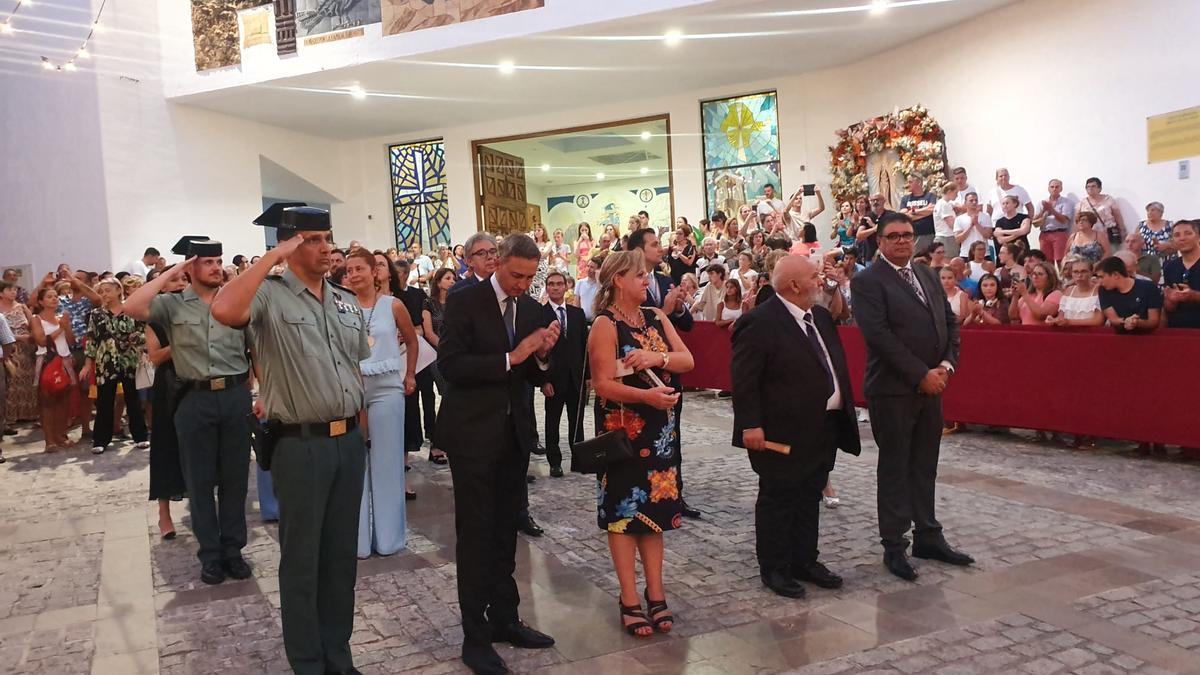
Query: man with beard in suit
x,y
791,386
493,347
912,348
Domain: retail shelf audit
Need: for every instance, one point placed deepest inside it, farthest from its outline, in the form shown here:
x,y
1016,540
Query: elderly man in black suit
x,y
494,345
565,378
912,348
791,386
661,293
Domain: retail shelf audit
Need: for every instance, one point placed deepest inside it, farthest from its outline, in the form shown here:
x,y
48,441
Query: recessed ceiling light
x,y
97,27
600,176
645,170
645,135
358,92
46,64
7,28
69,65
673,38
83,53
545,167
507,67
879,6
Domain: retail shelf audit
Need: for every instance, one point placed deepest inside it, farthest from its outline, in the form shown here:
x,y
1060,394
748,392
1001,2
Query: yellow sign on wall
x,y
1174,135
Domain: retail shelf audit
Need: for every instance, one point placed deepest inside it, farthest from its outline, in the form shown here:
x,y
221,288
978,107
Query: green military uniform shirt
x,y
201,347
308,350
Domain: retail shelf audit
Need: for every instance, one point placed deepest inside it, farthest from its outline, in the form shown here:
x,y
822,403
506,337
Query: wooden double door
x,y
503,196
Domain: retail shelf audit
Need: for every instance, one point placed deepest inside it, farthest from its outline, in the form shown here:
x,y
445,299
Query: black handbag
x,y
608,448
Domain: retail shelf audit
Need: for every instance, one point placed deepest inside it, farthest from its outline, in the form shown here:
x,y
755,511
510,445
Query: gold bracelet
x,y
666,360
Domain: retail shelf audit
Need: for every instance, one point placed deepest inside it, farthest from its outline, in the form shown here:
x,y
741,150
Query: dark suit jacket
x,y
566,370
463,283
904,336
780,386
681,321
471,353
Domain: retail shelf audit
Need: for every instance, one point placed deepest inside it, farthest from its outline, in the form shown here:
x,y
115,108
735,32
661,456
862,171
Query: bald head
x,y
795,279
1130,261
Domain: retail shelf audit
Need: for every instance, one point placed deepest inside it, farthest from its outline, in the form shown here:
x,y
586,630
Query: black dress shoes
x,y
816,573
212,573
349,671
539,449
529,478
519,634
689,512
897,563
783,584
237,568
531,528
483,660
556,472
942,551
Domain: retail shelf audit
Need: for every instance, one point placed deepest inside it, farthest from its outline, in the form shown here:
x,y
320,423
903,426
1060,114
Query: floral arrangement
x,y
917,138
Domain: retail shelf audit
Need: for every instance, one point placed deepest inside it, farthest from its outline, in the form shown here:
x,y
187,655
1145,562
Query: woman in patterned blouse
x,y
114,346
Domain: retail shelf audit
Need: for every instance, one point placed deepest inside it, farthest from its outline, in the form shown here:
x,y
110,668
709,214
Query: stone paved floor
x,y
1089,562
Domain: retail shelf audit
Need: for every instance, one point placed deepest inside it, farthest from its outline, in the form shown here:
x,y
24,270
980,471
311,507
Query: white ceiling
x,y
725,42
619,152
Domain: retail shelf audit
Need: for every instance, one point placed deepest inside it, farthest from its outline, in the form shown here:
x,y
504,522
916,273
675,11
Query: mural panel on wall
x,y
419,201
215,32
605,207
315,17
741,149
403,16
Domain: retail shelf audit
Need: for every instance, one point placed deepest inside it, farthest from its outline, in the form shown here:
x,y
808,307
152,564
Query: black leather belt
x,y
220,383
319,429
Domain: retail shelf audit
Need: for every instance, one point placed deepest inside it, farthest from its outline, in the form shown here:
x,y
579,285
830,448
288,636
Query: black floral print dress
x,y
115,342
640,496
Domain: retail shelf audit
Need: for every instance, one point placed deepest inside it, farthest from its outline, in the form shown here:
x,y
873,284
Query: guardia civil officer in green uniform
x,y
211,417
308,337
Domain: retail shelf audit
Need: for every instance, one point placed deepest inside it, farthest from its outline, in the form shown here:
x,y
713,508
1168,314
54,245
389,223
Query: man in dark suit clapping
x,y
493,347
566,369
912,348
791,386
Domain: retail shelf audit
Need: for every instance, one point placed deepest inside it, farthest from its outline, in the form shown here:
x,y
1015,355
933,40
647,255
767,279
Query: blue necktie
x,y
810,329
562,319
510,321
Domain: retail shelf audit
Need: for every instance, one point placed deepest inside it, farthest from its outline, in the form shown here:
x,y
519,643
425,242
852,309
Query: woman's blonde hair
x,y
617,263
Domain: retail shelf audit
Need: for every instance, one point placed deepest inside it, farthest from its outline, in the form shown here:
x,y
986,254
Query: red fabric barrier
x,y
1087,381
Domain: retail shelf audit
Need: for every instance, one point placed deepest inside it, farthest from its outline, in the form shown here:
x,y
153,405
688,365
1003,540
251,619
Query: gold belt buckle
x,y
337,428
217,384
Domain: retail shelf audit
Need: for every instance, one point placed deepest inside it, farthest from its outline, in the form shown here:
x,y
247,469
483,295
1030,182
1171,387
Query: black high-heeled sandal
x,y
657,607
636,612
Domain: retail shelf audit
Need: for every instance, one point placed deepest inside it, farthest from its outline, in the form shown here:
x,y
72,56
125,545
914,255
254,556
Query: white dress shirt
x,y
585,290
908,266
834,402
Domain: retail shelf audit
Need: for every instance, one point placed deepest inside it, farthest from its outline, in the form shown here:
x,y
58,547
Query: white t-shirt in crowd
x,y
941,210
963,223
585,290
766,206
422,266
703,263
977,270
60,343
998,196
962,194
139,268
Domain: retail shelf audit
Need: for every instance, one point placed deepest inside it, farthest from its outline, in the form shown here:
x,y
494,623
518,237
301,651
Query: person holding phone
x,y
1181,277
795,217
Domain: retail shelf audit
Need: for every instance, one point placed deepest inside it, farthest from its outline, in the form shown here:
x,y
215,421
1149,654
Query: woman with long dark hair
x,y
432,315
52,333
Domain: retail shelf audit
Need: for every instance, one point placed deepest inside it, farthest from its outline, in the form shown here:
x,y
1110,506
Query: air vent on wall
x,y
625,158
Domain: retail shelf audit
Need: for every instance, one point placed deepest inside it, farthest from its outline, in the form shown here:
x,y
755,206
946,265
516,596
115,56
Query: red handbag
x,y
55,378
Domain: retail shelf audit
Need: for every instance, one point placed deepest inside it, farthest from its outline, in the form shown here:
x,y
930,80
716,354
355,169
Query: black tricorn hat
x,y
273,216
183,246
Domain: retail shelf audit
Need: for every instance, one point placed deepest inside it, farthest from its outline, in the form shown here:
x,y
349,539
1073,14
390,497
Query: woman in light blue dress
x,y
388,375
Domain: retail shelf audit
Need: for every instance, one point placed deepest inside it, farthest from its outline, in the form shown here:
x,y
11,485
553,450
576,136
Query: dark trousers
x,y
679,455
106,398
489,491
554,410
319,483
787,512
908,431
419,406
214,448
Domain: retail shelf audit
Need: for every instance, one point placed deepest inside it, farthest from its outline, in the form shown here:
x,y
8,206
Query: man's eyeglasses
x,y
486,253
900,236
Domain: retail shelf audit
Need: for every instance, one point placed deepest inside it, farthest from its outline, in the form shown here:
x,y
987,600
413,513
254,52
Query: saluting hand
x,y
286,248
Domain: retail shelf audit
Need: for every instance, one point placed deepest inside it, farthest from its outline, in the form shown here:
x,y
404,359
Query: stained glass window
x,y
741,149
419,200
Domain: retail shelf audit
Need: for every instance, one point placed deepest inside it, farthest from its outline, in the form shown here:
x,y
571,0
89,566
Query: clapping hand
x,y
550,337
672,299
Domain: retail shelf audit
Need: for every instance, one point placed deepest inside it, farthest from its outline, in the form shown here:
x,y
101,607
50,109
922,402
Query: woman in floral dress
x,y
114,346
638,499
22,401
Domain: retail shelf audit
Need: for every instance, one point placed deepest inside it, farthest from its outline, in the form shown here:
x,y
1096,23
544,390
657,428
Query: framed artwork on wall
x,y
741,149
420,206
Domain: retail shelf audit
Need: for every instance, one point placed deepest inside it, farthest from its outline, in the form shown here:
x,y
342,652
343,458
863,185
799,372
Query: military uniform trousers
x,y
214,448
319,484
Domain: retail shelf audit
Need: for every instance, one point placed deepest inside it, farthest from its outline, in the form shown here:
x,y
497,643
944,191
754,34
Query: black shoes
x,y
483,660
529,478
212,573
897,563
689,512
519,634
556,472
816,573
237,568
349,671
783,584
943,552
539,449
531,528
